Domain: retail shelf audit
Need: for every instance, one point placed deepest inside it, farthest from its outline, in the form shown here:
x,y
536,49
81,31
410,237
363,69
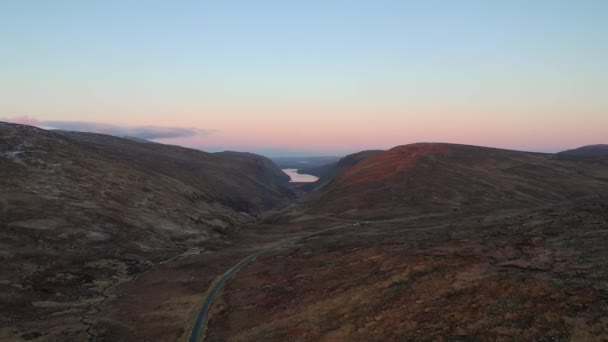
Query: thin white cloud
x,y
141,132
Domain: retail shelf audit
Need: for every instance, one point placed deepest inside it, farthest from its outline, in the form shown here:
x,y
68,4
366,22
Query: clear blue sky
x,y
288,74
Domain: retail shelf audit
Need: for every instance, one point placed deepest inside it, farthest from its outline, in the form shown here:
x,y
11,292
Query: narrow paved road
x,y
200,325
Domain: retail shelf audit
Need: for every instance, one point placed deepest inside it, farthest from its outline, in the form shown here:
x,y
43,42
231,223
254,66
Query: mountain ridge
x,y
434,177
597,150
83,211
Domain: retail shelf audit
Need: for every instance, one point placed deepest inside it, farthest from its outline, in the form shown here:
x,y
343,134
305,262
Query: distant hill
x,y
139,140
435,178
600,150
117,178
304,162
320,171
354,159
328,171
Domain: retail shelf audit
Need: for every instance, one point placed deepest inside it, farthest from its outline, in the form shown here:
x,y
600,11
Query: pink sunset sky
x,y
315,77
335,133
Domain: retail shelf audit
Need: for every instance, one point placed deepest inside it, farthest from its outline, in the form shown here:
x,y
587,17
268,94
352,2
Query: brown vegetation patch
x,y
388,163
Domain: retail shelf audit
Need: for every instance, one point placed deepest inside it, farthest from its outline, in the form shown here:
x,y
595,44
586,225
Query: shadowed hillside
x,y
435,177
328,171
600,150
80,211
105,238
436,242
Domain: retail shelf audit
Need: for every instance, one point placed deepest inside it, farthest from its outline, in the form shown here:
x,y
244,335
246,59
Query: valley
x,y
303,171
110,239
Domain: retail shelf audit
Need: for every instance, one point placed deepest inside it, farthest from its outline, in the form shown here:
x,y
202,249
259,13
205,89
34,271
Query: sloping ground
x,y
537,274
81,212
304,162
600,150
327,172
349,162
322,171
437,178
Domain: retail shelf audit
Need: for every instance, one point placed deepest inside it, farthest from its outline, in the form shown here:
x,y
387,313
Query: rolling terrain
x,y
600,150
327,172
453,242
429,178
83,212
304,162
111,239
526,274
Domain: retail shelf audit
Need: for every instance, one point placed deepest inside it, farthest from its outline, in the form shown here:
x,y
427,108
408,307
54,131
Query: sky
x,y
316,77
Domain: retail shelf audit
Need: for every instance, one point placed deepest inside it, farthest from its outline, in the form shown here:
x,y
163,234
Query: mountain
x,y
327,171
177,192
600,150
81,209
514,242
320,171
304,162
354,159
437,178
139,139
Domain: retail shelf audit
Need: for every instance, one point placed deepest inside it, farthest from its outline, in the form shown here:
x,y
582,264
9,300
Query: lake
x,y
300,178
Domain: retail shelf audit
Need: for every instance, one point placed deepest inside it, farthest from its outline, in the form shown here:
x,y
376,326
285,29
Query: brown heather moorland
x,y
109,239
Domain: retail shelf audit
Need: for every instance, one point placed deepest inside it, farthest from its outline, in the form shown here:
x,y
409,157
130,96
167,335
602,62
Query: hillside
x,y
438,178
522,275
321,171
436,242
304,162
327,172
600,150
80,211
105,238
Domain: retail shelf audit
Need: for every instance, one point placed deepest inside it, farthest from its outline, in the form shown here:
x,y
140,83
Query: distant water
x,y
299,178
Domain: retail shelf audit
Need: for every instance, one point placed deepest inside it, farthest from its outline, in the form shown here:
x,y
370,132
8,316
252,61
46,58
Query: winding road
x,y
200,324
